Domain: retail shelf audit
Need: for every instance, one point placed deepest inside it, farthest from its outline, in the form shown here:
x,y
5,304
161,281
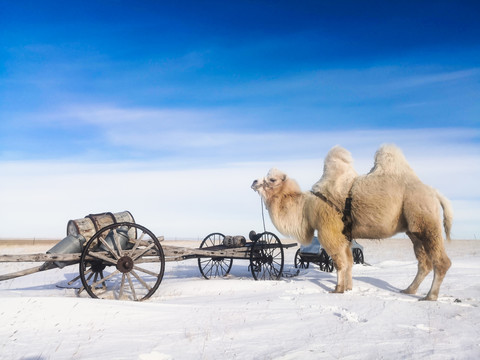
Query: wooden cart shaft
x,y
172,253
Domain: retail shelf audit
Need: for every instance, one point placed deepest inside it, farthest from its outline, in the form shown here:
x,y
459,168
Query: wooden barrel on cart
x,y
90,224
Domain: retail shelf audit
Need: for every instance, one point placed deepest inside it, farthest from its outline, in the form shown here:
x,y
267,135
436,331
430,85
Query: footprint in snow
x,y
349,316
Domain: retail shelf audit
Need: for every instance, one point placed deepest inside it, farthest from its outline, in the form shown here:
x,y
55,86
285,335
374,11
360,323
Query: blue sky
x,y
189,88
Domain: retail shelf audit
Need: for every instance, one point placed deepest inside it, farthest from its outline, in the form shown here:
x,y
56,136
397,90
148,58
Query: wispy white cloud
x,y
107,116
343,85
436,78
158,128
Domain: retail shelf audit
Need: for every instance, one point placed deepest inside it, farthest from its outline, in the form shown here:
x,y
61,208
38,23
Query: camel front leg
x,y
344,272
348,271
336,245
340,287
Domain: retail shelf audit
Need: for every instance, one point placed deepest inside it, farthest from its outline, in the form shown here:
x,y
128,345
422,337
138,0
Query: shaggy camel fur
x,y
388,200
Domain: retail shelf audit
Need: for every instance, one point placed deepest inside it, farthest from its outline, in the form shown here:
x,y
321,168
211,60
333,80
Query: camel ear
x,y
284,177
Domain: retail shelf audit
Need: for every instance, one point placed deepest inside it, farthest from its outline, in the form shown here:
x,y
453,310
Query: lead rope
x,y
263,215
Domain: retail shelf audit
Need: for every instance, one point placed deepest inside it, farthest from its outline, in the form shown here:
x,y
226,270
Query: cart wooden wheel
x,y
300,262
266,257
358,256
326,262
214,266
118,264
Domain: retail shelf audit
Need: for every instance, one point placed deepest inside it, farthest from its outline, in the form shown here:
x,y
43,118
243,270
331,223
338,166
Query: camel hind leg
x,y
421,209
441,263
430,253
424,264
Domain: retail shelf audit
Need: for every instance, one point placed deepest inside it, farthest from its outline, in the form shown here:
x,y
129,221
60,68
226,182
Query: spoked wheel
x,y
300,262
326,262
358,256
215,266
266,257
118,264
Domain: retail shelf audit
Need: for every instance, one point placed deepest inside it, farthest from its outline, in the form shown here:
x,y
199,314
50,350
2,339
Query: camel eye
x,y
273,180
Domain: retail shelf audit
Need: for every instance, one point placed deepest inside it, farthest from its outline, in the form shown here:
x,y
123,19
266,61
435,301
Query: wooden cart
x,y
125,260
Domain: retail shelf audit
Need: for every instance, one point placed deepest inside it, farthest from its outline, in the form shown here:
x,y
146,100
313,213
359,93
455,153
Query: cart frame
x,y
114,265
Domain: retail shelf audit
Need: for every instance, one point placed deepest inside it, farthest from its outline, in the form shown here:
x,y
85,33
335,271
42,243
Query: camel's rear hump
x,y
389,160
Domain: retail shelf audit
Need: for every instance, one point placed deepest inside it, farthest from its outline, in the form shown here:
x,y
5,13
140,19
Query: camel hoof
x,y
428,298
338,290
408,291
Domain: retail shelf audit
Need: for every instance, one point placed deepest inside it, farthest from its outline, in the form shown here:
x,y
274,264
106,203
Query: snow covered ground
x,y
239,318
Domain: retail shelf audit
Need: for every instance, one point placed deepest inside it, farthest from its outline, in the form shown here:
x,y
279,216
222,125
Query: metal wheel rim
x,y
329,265
110,269
323,260
326,263
300,262
266,257
215,266
358,256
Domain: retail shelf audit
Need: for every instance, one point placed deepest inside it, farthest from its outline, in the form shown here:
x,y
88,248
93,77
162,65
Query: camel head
x,y
270,184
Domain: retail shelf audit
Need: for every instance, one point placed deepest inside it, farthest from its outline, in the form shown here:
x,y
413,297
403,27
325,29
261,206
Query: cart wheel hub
x,y
125,264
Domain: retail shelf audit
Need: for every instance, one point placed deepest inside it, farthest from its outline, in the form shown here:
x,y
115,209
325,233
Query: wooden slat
x,y
43,267
169,251
39,257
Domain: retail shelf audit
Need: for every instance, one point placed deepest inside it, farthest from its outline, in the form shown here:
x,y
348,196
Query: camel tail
x,y
447,214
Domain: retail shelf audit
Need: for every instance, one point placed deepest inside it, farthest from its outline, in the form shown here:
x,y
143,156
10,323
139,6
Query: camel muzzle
x,y
256,185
